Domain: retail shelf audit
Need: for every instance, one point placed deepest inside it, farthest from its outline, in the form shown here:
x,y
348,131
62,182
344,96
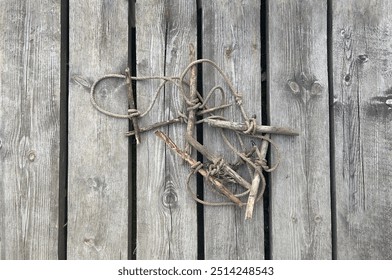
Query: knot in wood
x,y
363,58
169,196
31,155
294,87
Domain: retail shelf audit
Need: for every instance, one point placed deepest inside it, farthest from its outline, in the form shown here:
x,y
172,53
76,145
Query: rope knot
x,y
196,167
251,126
262,163
193,104
215,167
238,99
183,118
133,113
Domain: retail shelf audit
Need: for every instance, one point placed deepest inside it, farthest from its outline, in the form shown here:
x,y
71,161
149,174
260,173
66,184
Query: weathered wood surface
x,y
166,213
362,89
29,128
231,38
98,149
298,98
300,199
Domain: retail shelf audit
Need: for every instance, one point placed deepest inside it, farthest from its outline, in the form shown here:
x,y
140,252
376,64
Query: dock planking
x,y
98,149
362,95
29,129
298,98
238,52
166,213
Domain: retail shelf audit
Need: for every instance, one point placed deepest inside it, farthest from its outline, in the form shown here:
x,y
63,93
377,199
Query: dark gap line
x,y
199,136
63,163
268,196
132,164
331,129
265,120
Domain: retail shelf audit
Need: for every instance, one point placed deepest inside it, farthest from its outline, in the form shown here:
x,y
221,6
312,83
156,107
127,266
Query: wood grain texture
x,y
231,38
166,213
98,149
362,87
298,98
29,128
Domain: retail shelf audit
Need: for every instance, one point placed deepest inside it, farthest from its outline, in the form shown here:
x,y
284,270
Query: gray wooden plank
x,y
362,71
98,149
166,214
29,128
298,98
231,38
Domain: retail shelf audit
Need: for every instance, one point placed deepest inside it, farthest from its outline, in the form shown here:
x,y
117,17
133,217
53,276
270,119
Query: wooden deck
x,y
73,186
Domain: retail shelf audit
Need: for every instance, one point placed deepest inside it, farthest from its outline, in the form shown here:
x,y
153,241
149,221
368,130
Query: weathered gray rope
x,y
253,160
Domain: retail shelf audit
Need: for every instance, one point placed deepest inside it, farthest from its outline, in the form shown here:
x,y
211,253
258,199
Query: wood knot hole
x,y
363,58
97,184
347,78
228,52
345,34
294,87
316,88
31,155
169,197
318,219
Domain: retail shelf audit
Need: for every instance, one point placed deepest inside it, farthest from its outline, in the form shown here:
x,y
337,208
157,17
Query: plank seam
x,y
199,132
132,164
63,163
265,121
331,129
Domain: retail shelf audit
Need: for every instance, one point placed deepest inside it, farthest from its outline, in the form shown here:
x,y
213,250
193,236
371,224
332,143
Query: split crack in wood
x,y
216,171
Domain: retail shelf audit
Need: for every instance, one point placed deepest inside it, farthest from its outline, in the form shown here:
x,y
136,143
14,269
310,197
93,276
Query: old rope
x,y
218,173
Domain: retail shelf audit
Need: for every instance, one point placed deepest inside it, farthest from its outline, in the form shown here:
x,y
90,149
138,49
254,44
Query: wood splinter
x,y
256,181
185,156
